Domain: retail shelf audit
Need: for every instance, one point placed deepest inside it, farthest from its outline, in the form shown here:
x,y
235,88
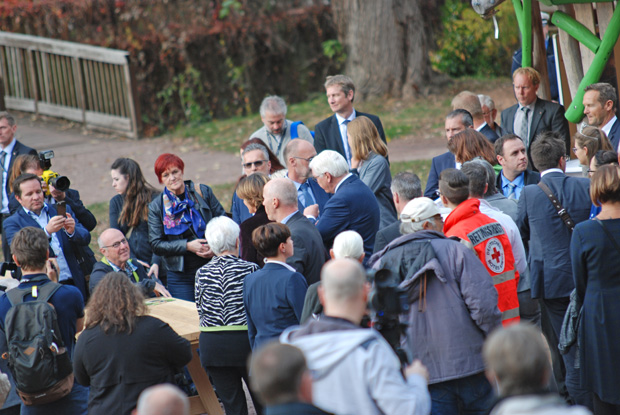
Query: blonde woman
x,y
369,162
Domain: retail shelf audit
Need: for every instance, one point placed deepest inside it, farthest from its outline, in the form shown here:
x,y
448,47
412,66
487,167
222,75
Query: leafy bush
x,y
467,46
195,59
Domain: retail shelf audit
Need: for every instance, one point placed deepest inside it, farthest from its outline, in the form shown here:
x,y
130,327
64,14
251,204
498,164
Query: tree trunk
x,y
386,46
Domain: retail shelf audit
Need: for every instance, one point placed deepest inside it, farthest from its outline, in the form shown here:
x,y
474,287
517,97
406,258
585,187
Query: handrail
x,y
79,82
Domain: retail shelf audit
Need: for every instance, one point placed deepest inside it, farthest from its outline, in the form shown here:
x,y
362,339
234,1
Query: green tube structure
x,y
574,112
576,30
524,18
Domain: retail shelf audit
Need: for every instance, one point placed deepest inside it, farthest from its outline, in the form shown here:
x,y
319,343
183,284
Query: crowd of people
x,y
494,290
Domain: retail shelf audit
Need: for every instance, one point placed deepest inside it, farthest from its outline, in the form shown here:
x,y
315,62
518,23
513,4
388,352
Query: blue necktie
x,y
512,194
305,191
346,142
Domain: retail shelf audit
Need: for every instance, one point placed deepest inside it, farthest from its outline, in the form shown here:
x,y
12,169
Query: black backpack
x,y
37,354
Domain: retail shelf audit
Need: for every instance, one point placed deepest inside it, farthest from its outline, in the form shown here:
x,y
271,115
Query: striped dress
x,y
219,293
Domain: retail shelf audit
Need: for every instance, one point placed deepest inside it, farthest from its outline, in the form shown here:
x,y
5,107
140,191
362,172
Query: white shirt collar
x,y
607,127
553,170
284,264
342,181
481,126
341,119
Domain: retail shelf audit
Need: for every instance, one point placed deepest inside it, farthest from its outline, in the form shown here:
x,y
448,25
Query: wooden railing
x,y
83,83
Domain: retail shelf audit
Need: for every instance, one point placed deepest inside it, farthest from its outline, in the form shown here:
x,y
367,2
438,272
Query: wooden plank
x,y
585,15
4,71
105,93
46,76
88,84
604,11
60,111
571,55
33,78
79,86
111,121
112,89
539,53
118,85
134,109
19,104
61,47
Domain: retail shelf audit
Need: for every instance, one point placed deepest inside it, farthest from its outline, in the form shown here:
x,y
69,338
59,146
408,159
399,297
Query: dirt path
x,y
85,156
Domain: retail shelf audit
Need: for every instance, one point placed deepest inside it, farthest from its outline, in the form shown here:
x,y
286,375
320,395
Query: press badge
x,y
35,291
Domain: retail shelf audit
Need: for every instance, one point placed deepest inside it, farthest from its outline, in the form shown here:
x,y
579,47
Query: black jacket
x,y
101,269
173,247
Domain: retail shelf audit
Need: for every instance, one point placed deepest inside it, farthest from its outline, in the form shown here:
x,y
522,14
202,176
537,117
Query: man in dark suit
x,y
549,238
298,155
405,187
601,102
512,156
532,115
10,148
331,133
457,121
353,205
489,112
62,231
469,101
280,201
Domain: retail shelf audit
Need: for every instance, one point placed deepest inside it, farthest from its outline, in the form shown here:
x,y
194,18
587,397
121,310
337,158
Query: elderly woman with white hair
x,y
224,344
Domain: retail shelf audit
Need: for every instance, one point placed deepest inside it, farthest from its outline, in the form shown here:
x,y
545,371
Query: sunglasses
x,y
257,163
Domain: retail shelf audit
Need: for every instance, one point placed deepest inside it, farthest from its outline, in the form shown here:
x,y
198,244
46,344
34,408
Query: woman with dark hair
x,y
587,143
274,295
595,258
177,221
275,162
469,144
369,161
129,211
224,345
123,351
250,190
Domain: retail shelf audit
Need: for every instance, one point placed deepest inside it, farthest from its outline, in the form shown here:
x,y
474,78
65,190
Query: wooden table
x,y
182,316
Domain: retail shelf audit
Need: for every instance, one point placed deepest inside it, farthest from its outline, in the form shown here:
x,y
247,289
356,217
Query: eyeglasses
x,y
116,245
308,159
257,163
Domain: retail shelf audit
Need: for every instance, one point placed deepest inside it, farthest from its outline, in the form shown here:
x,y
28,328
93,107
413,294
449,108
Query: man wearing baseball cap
x,y
453,307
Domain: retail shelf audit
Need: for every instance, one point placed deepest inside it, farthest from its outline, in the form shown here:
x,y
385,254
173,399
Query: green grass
x,y
419,167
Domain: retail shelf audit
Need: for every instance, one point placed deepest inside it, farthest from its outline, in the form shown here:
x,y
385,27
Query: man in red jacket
x,y
485,236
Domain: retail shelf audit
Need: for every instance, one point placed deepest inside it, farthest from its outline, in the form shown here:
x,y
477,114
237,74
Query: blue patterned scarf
x,y
179,214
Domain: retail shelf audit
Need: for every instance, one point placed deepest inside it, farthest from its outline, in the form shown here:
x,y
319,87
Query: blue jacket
x,y
353,207
20,219
439,164
614,135
549,239
273,298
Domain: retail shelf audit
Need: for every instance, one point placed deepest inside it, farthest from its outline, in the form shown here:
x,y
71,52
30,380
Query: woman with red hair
x,y
177,223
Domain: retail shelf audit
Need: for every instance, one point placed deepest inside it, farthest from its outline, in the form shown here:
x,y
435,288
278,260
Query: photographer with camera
x,y
355,370
453,307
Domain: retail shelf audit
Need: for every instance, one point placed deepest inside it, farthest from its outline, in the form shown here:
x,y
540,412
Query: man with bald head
x,y
164,399
469,101
298,154
280,200
117,258
356,371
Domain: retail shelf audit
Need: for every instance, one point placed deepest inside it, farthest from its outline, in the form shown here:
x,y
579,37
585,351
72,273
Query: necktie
x,y
512,194
2,158
347,148
305,191
524,133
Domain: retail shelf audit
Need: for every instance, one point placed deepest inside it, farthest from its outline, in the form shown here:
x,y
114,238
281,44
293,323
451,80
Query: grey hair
x,y
163,399
486,101
256,146
465,115
222,234
5,115
407,185
412,226
273,104
329,161
348,244
606,92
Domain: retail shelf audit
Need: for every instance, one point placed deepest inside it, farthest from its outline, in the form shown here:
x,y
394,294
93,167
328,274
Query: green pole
x,y
524,18
576,30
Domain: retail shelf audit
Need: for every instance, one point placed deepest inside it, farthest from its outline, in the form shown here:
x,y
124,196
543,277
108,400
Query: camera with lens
x,y
59,182
388,302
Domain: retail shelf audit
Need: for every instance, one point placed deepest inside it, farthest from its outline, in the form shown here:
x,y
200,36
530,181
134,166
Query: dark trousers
x,y
229,388
471,395
555,309
604,408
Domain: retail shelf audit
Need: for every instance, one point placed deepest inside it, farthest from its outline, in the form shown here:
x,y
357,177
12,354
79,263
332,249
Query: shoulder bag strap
x,y
562,213
609,235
